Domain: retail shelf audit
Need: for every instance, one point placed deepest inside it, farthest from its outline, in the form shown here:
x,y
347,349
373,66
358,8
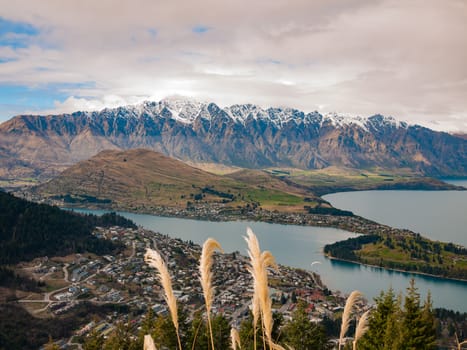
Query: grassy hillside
x,y
334,179
405,252
136,179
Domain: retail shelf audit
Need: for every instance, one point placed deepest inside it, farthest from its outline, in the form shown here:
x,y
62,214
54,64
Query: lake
x,y
439,215
299,246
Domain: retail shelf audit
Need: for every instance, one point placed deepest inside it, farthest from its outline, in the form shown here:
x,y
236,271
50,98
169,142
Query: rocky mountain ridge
x,y
242,135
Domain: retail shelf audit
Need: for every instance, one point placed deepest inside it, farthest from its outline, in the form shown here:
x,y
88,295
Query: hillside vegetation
x,y
143,179
29,230
405,252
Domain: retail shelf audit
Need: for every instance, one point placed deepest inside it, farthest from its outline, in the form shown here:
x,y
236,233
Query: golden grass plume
x,y
154,259
149,343
205,265
346,316
235,339
260,261
362,328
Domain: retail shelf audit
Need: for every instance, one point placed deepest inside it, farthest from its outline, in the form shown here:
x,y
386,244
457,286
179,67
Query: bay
x,y
299,246
439,215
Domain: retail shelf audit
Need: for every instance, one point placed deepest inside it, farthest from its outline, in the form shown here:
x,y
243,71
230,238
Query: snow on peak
x,y
186,111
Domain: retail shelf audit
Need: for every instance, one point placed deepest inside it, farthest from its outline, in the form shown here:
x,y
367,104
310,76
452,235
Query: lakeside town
x,y
126,279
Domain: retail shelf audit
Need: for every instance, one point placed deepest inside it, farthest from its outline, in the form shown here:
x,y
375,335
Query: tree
x,y
301,334
51,345
221,332
246,332
394,327
418,323
381,322
147,327
120,338
94,341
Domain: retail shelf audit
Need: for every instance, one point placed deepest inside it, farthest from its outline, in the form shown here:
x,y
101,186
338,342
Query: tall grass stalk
x,y
154,259
461,344
256,315
361,329
260,261
346,316
205,265
149,343
235,339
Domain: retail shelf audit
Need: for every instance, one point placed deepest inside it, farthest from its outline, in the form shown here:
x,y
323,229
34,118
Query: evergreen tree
x,y
94,341
164,333
393,327
147,327
429,323
220,332
246,334
120,338
415,332
301,334
198,337
51,345
381,324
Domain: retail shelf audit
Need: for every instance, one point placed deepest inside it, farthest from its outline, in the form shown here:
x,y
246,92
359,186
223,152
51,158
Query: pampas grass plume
x,y
362,327
346,316
235,339
205,265
259,264
149,343
154,259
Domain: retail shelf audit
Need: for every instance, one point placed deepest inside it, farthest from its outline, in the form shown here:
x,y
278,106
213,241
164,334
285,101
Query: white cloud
x,y
406,59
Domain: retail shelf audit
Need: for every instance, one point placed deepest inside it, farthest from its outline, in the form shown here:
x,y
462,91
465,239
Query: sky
x,y
406,58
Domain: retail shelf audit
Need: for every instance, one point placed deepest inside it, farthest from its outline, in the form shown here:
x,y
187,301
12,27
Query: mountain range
x,y
241,135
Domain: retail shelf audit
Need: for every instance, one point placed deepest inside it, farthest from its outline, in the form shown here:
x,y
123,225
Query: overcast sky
x,y
402,58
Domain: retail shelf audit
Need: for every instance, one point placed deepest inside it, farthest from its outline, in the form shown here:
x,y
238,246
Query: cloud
x,y
405,59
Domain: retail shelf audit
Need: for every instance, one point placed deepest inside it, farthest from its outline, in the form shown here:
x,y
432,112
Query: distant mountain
x,y
241,135
140,179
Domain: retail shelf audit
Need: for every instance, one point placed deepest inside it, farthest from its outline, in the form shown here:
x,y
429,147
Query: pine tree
x,y
381,322
120,338
220,332
51,345
393,327
301,334
147,327
94,341
414,329
429,322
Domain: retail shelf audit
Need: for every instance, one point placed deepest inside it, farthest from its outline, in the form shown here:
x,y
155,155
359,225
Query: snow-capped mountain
x,y
245,135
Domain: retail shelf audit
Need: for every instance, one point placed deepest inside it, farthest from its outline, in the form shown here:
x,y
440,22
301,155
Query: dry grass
x,y
235,339
205,265
149,343
154,259
346,316
362,328
260,261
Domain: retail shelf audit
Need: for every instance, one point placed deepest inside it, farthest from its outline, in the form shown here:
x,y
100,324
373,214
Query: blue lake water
x,y
299,246
439,215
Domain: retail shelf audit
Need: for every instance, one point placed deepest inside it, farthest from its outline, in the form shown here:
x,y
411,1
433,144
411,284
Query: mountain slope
x,y
29,230
143,179
240,135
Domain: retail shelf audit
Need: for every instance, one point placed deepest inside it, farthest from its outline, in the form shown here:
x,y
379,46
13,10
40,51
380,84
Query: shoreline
x,y
350,227
396,270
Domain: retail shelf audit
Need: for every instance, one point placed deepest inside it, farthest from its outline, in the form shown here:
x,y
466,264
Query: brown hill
x,y
143,179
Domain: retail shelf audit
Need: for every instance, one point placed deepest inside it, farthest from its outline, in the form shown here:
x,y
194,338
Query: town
x,y
127,280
